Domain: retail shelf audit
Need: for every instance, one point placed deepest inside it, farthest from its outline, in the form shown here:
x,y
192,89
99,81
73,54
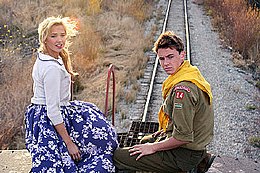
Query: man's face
x,y
170,59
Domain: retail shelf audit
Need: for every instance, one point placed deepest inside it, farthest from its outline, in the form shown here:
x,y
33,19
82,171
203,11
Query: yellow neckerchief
x,y
186,72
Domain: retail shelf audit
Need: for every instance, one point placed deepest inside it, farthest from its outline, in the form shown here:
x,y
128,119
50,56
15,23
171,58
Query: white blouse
x,y
51,85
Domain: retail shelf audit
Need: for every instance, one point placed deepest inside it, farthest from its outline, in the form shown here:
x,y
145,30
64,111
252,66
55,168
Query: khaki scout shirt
x,y
191,115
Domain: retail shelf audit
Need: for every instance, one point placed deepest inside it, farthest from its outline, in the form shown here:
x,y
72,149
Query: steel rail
x,y
187,31
155,67
140,128
188,51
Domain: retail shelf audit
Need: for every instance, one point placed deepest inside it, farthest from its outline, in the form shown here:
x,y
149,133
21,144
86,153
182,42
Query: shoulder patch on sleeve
x,y
182,87
179,95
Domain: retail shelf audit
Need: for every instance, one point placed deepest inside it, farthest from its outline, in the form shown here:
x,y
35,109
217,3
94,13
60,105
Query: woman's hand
x,y
142,150
72,148
73,151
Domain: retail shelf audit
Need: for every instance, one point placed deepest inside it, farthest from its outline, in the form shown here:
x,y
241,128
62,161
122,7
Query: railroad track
x,y
149,100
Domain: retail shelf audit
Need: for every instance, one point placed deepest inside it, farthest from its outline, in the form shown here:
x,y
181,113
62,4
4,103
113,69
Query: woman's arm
x,y
52,85
72,148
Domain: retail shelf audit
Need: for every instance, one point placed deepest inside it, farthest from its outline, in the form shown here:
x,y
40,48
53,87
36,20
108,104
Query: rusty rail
x,y
111,70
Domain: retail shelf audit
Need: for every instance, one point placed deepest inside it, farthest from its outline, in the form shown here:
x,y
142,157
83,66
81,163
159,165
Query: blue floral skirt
x,y
88,129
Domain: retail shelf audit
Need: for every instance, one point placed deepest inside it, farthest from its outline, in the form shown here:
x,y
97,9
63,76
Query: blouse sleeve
x,y
52,84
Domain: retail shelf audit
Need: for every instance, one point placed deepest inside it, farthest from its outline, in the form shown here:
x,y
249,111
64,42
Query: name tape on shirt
x,y
182,87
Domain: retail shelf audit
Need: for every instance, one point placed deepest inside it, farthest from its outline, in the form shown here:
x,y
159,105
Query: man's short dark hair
x,y
170,40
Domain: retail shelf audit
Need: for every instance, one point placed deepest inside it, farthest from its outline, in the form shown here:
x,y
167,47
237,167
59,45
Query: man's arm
x,y
168,144
150,148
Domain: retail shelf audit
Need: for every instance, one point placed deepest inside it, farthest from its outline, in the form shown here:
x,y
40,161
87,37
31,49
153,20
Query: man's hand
x,y
142,150
150,148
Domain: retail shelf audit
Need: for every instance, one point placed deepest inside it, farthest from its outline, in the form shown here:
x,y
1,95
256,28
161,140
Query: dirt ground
x,y
15,161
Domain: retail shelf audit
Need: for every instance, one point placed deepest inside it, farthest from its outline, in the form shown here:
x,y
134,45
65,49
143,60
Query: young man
x,y
185,118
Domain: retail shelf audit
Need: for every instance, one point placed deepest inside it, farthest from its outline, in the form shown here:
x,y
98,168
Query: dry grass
x,y
15,93
110,32
123,44
136,8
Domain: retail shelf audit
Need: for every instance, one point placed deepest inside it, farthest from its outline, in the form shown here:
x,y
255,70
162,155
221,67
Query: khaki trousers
x,y
170,161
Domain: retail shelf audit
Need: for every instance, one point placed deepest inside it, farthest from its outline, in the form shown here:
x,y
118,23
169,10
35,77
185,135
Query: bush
x,y
240,26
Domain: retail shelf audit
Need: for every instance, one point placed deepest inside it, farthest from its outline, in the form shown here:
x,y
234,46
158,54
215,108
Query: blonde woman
x,y
63,135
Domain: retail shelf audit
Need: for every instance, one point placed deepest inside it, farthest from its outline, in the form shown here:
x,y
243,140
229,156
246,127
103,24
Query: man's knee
x,y
121,153
123,161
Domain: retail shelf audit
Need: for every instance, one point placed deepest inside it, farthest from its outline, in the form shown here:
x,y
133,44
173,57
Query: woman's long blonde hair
x,y
70,29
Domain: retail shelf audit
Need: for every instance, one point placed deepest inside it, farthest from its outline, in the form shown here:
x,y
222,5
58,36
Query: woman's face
x,y
55,40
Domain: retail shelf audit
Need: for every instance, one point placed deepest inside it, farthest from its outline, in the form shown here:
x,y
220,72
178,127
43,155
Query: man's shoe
x,y
205,164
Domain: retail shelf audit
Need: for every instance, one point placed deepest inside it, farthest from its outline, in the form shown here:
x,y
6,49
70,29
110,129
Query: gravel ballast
x,y
233,90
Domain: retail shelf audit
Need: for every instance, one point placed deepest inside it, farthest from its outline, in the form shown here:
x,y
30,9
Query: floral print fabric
x,y
88,129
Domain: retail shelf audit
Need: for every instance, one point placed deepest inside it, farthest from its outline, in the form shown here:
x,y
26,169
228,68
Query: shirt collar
x,y
44,57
